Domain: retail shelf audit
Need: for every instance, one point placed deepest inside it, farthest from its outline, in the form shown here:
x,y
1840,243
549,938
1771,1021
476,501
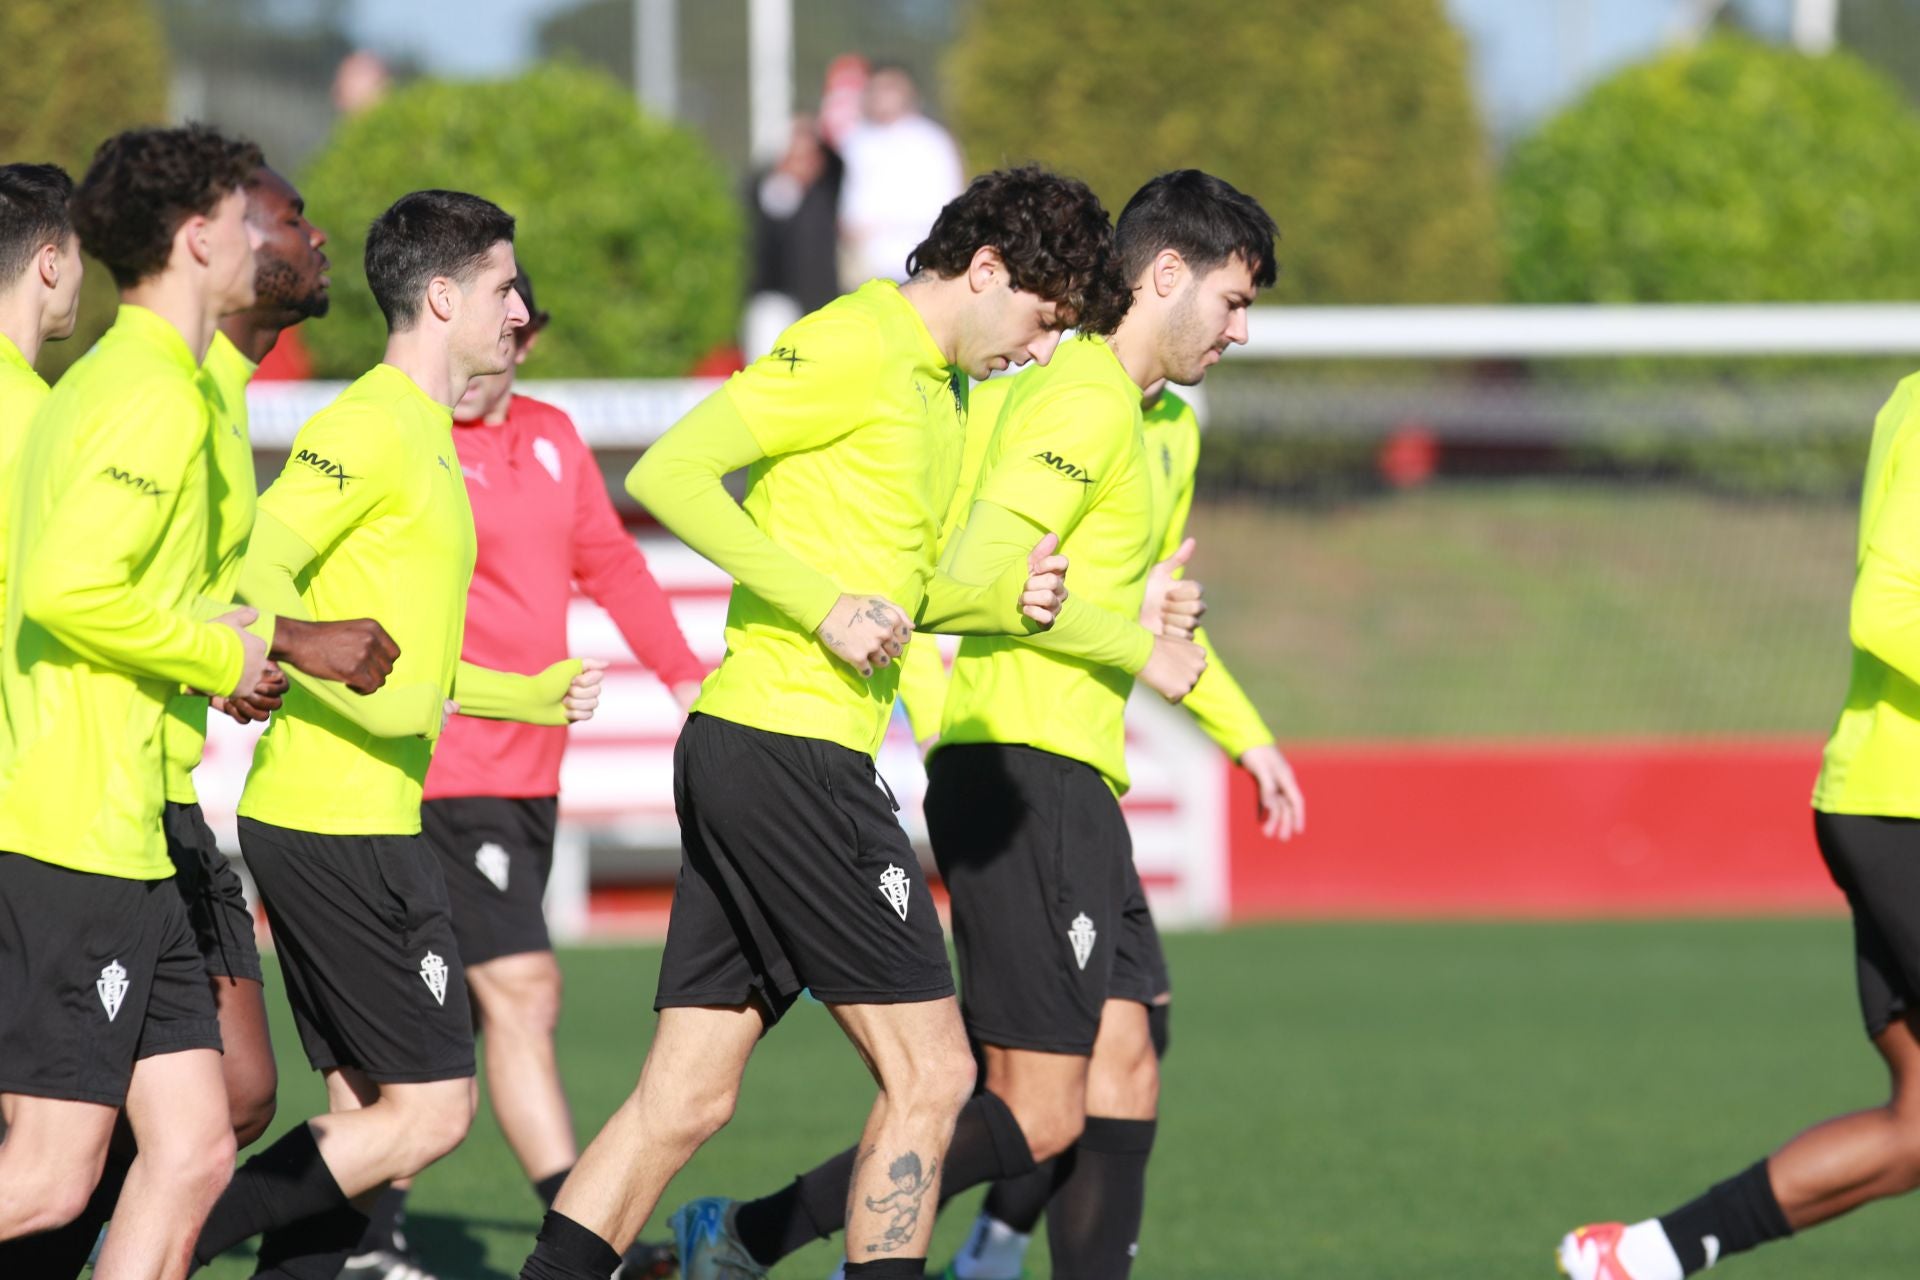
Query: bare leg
x,y
50,1161
247,1063
918,1053
687,1089
375,1133
1123,1081
517,999
1047,1093
177,1106
1845,1162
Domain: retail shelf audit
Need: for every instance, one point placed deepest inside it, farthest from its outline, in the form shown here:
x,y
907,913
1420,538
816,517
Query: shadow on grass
x,y
458,1247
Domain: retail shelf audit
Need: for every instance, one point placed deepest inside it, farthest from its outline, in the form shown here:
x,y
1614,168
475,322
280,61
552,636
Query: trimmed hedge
x,y
1353,123
1729,172
73,75
628,225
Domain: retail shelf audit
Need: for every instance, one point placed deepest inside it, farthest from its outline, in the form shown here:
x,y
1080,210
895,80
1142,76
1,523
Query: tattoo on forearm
x,y
902,1206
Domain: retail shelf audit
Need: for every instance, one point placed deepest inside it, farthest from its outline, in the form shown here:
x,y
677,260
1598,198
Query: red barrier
x,y
1539,829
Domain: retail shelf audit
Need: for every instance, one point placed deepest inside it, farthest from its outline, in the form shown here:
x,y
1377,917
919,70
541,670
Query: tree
x,y
1728,172
626,224
1352,123
76,72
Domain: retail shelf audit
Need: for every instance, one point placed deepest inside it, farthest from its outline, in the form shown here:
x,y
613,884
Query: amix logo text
x,y
1065,468
325,466
139,484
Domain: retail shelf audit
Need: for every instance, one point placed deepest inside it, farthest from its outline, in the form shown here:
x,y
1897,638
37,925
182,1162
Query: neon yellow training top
x,y
21,391
108,544
1218,704
231,497
856,419
1067,454
375,510
1872,763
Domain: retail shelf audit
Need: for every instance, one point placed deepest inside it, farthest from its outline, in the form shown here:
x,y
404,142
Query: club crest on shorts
x,y
433,971
893,887
112,986
491,860
1081,935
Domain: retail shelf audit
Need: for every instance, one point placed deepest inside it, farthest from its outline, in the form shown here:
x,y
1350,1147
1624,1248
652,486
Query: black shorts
x,y
215,900
1049,917
1876,863
794,874
98,972
496,854
365,938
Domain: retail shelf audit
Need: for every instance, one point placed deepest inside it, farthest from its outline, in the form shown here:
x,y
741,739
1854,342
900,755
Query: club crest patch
x,y
893,887
433,971
491,860
1082,936
112,986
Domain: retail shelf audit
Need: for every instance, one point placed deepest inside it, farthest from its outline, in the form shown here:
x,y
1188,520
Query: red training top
x,y
543,521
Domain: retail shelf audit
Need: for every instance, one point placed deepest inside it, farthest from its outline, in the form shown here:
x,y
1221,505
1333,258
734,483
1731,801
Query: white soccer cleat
x,y
703,1232
1588,1253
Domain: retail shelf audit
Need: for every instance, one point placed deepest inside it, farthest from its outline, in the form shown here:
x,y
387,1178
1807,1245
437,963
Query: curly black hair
x,y
33,212
1206,219
1050,231
144,183
424,235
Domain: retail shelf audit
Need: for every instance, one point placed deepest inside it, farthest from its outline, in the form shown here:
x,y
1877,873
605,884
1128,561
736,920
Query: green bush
x,y
75,72
1729,172
1353,123
628,225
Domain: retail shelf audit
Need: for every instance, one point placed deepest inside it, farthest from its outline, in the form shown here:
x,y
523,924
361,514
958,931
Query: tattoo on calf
x,y
902,1206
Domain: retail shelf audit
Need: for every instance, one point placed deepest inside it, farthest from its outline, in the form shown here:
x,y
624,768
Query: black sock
x,y
888,1269
987,1144
61,1253
1739,1213
286,1182
568,1251
313,1248
1019,1202
549,1187
384,1220
1093,1222
811,1207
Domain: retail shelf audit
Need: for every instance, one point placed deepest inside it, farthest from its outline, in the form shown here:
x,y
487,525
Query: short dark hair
x,y
1205,219
428,234
33,212
144,183
1051,232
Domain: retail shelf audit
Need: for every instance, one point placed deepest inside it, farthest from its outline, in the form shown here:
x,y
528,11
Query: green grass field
x,y
1341,1100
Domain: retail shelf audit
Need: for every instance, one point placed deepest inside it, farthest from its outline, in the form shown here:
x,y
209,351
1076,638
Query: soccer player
x,y
543,522
1059,960
108,1003
290,284
997,1243
370,516
795,871
40,273
1865,807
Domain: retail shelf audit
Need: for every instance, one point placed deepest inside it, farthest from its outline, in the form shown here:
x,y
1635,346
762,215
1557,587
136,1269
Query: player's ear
x,y
525,347
442,295
1168,272
49,264
194,236
986,269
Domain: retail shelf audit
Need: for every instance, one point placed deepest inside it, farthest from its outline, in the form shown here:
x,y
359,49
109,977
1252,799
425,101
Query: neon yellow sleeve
x,y
75,581
506,695
1221,707
1885,615
923,687
976,590
269,580
678,480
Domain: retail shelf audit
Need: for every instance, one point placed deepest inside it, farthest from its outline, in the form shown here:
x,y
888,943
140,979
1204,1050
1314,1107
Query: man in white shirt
x,y
901,169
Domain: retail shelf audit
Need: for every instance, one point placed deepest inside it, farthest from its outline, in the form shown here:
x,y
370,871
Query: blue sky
x,y
1529,55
